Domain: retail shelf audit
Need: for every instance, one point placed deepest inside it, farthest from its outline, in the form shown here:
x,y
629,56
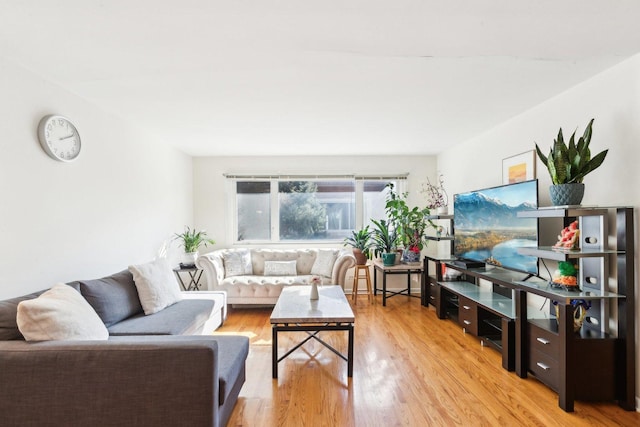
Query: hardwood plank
x,y
410,369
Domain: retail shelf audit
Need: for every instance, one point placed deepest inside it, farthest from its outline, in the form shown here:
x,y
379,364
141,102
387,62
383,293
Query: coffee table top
x,y
294,306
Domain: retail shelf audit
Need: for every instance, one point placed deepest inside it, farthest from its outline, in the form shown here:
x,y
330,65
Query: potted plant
x,y
568,165
191,241
384,241
409,223
361,243
437,198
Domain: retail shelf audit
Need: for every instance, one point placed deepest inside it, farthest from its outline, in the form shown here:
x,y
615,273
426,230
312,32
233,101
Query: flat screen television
x,y
488,230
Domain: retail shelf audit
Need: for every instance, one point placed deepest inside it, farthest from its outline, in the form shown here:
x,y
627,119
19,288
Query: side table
x,y
194,274
406,269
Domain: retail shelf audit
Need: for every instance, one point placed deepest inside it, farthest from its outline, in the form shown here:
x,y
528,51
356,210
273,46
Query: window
x,y
294,209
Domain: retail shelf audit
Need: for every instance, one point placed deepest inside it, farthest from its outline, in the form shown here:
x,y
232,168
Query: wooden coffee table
x,y
295,312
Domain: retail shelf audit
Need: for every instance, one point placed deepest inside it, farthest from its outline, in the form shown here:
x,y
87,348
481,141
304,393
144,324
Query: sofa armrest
x,y
213,267
343,263
220,298
139,381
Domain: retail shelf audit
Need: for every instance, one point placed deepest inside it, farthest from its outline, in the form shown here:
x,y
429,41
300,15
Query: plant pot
x,y
442,210
189,258
361,258
389,259
566,194
410,256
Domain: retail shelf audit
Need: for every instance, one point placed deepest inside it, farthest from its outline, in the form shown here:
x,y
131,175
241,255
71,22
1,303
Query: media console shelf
x,y
483,313
428,291
598,361
595,363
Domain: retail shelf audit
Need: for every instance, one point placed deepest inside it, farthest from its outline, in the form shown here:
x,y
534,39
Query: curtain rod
x,y
293,176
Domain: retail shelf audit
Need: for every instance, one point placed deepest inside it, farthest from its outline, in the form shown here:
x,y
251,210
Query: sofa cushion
x,y
157,286
280,268
304,259
60,313
232,353
186,317
114,297
237,263
8,313
325,260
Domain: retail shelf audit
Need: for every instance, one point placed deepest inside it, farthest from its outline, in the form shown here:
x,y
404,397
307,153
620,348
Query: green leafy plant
x,y
409,223
568,164
192,239
362,244
384,237
360,239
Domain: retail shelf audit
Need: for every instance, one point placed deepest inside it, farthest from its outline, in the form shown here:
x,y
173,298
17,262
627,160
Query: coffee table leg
x,y
274,351
350,361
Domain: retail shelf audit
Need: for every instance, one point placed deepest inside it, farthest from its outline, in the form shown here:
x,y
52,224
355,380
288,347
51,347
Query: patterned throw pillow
x,y
237,263
323,266
280,268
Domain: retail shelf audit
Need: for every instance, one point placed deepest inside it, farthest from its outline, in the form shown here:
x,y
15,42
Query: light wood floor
x,y
410,369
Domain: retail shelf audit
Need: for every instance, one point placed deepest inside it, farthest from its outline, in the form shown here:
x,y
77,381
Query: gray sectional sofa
x,y
151,371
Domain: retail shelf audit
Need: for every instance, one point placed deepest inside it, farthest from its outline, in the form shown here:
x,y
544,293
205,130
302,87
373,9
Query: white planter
x,y
442,210
189,258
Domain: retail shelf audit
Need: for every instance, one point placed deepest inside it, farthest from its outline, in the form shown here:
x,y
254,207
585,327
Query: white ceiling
x,y
251,77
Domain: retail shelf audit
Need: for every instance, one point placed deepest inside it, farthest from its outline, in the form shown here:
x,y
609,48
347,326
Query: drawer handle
x,y
543,341
466,322
430,297
466,307
543,366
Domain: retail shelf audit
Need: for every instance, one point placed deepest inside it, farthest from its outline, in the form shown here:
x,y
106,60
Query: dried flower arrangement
x,y
435,193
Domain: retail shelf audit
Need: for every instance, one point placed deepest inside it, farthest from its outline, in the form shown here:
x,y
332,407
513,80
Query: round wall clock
x,y
59,138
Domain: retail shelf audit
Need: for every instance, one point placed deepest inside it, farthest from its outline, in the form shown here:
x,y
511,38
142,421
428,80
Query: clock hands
x,y
66,137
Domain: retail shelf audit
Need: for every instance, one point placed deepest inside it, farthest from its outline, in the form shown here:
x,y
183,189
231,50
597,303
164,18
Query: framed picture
x,y
521,167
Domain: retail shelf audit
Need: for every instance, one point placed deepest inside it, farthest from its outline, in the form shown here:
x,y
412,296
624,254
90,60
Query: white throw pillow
x,y
156,284
280,268
323,266
60,313
237,263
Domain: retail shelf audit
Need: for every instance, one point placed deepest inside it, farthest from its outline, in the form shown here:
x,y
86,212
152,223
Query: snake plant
x,y
569,164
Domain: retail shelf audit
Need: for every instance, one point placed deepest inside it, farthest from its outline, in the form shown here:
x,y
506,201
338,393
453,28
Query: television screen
x,y
488,230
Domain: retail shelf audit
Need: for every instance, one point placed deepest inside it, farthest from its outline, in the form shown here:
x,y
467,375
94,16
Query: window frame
x,y
399,181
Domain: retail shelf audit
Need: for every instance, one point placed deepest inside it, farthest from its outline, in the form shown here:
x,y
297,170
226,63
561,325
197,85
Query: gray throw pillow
x,y
8,312
114,297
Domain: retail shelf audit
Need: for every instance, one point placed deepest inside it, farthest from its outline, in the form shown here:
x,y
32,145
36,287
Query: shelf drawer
x,y
544,368
543,341
468,315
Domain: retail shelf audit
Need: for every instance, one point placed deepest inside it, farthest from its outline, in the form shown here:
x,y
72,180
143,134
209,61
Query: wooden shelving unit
x,y
595,363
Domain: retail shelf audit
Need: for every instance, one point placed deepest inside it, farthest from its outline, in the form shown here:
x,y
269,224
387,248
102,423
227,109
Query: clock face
x,y
59,138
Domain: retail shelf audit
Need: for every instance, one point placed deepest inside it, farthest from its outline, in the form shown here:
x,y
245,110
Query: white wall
x,y
115,205
613,99
210,211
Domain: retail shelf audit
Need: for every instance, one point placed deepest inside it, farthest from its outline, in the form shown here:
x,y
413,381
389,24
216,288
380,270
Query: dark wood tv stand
x,y
595,363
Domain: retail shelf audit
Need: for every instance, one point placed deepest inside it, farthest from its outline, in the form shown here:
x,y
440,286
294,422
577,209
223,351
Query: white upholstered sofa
x,y
257,276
